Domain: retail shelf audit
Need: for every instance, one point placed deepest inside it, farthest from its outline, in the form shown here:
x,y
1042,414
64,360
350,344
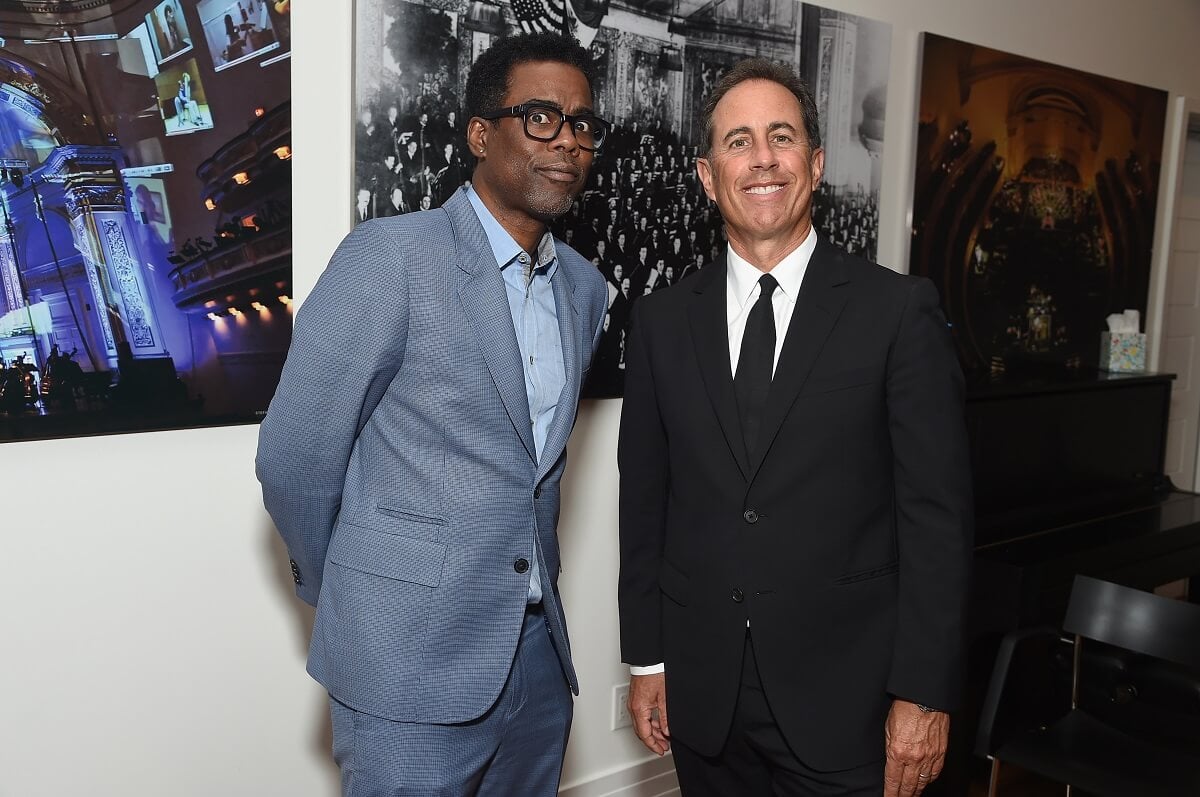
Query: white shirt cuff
x,y
653,669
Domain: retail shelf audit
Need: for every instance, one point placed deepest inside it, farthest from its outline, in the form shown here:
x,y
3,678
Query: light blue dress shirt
x,y
535,320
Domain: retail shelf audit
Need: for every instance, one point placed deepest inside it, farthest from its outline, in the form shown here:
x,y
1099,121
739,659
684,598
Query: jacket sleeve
x,y
643,461
934,518
347,345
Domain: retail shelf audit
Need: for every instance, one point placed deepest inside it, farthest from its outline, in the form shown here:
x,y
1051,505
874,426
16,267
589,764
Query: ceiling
x,y
19,17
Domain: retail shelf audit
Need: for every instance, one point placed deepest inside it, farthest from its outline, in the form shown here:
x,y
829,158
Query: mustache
x,y
563,166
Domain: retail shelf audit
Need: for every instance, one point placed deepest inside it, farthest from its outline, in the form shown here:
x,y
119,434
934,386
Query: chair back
x,y
1135,620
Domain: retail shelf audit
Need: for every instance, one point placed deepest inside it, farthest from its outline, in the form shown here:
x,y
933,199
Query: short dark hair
x,y
488,80
761,69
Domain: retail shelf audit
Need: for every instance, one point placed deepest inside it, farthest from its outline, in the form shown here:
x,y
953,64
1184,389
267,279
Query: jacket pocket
x,y
404,513
842,380
388,555
673,583
868,574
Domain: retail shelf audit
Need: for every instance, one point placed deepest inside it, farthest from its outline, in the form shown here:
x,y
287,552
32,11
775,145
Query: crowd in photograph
x,y
409,150
643,220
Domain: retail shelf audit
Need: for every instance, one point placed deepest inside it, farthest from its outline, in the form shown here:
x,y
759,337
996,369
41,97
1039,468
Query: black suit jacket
x,y
846,543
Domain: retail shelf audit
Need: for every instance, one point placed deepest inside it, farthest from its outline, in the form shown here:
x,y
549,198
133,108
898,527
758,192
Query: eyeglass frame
x,y
522,112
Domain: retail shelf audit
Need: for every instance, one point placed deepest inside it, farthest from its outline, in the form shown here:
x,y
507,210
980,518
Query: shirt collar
x,y
789,272
504,248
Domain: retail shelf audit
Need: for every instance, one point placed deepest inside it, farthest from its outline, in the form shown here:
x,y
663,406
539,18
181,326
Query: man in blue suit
x,y
411,457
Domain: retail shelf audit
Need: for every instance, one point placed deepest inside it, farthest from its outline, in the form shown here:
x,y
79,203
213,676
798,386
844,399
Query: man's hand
x,y
916,748
648,708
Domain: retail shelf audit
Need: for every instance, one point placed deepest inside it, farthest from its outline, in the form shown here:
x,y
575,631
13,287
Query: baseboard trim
x,y
652,778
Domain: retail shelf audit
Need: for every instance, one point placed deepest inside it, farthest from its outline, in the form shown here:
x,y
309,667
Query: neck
x,y
524,229
766,253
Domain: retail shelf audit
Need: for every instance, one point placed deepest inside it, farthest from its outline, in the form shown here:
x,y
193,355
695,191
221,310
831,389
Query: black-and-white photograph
x,y
644,219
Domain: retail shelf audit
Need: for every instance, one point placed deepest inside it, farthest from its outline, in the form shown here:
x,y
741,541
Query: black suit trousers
x,y
756,760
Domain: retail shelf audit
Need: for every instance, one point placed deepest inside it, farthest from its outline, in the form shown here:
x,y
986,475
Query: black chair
x,y
1126,722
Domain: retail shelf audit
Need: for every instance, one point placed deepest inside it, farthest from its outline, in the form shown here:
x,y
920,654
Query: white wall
x,y
149,643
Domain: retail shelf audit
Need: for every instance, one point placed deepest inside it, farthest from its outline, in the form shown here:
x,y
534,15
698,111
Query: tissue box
x,y
1123,351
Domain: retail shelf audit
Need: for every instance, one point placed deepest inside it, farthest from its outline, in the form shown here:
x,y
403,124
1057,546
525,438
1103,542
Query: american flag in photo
x,y
540,16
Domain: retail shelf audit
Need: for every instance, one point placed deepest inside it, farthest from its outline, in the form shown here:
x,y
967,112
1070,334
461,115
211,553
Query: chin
x,y
548,209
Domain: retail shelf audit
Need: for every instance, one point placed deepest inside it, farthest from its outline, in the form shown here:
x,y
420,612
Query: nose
x,y
566,140
763,155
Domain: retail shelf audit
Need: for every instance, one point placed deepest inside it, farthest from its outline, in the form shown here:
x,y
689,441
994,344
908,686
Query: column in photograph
x,y
104,235
835,93
369,36
675,81
624,82
9,278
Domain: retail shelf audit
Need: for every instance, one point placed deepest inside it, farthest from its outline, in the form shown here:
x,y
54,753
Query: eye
x,y
783,138
738,143
584,126
539,116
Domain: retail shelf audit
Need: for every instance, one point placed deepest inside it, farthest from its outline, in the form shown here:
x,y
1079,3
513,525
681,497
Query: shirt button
x,y
737,595
521,565
750,516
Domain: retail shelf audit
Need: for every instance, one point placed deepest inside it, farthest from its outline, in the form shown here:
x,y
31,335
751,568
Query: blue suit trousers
x,y
515,748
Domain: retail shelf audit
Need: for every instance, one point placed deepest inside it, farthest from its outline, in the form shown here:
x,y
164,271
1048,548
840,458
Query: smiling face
x,y
524,182
761,171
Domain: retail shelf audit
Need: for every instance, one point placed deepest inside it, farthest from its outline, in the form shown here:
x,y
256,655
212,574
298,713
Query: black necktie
x,y
756,362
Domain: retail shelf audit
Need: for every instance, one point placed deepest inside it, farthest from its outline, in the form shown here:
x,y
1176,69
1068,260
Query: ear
x,y
477,135
704,171
817,164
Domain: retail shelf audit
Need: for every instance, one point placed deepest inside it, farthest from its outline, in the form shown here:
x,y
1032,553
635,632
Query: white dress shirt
x,y
741,292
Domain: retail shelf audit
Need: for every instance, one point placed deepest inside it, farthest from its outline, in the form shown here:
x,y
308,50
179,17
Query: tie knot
x,y
767,285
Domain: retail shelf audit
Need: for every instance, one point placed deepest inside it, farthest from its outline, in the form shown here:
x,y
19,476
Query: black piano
x,y
1068,475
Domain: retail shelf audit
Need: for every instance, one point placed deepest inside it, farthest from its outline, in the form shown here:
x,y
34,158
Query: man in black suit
x,y
795,492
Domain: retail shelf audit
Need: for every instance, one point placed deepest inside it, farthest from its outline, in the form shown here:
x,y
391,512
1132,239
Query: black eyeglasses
x,y
544,122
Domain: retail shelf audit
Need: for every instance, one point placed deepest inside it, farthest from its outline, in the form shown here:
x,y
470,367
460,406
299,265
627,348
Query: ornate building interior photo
x,y
145,235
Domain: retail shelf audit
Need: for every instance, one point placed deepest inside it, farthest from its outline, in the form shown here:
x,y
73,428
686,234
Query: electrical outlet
x,y
620,707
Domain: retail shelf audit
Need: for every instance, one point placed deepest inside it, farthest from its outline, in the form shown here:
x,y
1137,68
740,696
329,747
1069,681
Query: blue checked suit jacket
x,y
397,461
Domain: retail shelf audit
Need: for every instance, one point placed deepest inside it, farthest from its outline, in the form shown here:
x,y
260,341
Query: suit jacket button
x,y
737,595
750,516
521,565
537,492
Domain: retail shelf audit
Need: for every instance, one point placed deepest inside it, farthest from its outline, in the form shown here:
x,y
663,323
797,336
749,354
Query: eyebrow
x,y
557,106
771,128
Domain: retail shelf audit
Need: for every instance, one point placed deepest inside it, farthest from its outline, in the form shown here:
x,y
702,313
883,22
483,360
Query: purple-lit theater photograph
x,y
643,220
145,235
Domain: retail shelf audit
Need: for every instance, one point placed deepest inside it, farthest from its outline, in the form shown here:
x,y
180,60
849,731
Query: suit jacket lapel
x,y
569,320
482,292
817,309
709,323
